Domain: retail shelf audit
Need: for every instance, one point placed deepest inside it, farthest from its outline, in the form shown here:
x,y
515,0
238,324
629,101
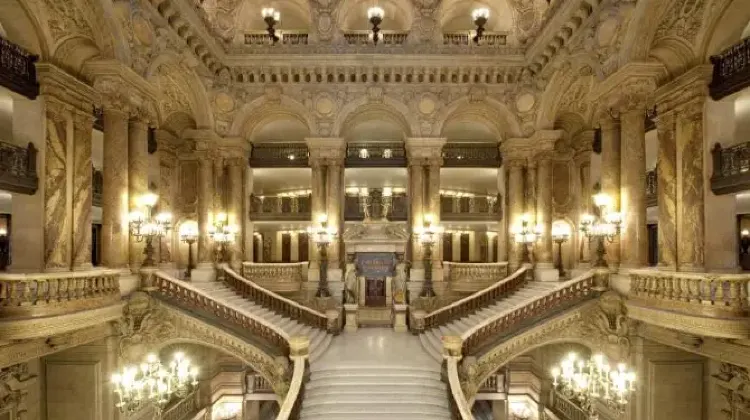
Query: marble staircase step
x,y
372,416
391,408
436,388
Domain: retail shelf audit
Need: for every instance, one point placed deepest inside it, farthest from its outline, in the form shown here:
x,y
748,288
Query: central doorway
x,y
375,292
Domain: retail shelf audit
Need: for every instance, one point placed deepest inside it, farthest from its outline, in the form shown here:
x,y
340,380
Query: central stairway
x,y
375,373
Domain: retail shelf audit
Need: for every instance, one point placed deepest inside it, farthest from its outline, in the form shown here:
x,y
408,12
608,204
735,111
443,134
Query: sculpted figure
x,y
399,284
350,285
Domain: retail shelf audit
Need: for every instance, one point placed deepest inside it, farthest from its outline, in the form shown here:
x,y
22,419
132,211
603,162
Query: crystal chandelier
x,y
153,383
144,226
222,233
605,225
586,381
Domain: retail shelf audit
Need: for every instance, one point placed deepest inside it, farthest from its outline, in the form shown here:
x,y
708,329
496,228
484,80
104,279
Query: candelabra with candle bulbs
x,y
272,17
323,235
144,226
153,383
222,233
560,235
375,16
525,235
428,236
189,234
587,381
480,17
602,226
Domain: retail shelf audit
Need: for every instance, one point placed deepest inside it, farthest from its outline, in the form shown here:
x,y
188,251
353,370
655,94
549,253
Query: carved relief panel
x,y
187,201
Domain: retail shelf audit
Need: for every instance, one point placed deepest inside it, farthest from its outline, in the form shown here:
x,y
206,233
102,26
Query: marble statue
x,y
350,285
399,284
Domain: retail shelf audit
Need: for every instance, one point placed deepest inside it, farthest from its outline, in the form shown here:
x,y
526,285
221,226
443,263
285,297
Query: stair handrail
x,y
194,297
293,399
275,302
582,287
454,383
474,301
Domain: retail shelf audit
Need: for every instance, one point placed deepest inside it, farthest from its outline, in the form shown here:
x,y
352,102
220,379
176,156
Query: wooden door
x,y
465,248
286,248
447,247
304,247
375,292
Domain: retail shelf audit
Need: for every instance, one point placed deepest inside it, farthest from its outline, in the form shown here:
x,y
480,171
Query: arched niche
x,y
280,128
373,122
455,15
295,15
398,15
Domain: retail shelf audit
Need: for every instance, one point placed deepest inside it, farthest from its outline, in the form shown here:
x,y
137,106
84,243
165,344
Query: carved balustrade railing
x,y
285,38
281,208
195,300
97,187
399,210
471,155
731,70
47,294
503,324
459,406
375,154
279,155
329,321
652,184
292,404
17,69
365,37
470,304
18,168
701,294
276,277
258,384
472,276
565,408
466,38
470,208
183,408
731,171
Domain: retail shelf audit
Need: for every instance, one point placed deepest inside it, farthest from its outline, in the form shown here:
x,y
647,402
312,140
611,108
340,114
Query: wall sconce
x,y
272,17
480,17
375,16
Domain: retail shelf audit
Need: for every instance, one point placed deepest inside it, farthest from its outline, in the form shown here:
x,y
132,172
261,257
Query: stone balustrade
x,y
189,297
460,407
330,321
276,277
365,37
47,294
711,295
292,404
420,321
465,38
470,277
285,38
562,297
258,384
281,208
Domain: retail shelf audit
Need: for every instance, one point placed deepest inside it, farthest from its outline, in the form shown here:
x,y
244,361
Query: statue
x,y
350,285
399,284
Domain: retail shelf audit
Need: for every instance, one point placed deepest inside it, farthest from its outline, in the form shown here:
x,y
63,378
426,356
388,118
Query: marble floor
x,y
375,373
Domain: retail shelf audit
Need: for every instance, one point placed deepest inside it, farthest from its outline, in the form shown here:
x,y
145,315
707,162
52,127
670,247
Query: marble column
x,y
249,229
502,224
235,169
317,205
610,177
515,208
58,221
666,162
205,206
83,123
416,201
294,245
583,196
167,195
137,180
219,186
690,228
115,189
634,236
433,198
544,207
334,198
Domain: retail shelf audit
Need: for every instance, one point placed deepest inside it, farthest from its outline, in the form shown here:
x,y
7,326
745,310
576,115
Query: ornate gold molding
x,y
31,328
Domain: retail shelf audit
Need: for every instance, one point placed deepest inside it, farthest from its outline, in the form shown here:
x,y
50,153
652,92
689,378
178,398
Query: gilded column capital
x,y
326,150
57,83
692,84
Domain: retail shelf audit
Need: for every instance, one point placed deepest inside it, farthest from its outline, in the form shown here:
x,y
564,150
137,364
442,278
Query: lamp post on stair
x,y
603,226
525,235
222,233
428,236
560,234
189,234
323,235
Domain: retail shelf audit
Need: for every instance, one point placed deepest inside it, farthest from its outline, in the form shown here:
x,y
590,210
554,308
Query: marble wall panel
x,y
82,190
57,220
73,390
166,204
137,180
115,193
187,198
634,236
690,241
666,162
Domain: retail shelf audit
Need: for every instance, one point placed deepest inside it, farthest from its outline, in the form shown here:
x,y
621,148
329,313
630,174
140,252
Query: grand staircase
x,y
432,338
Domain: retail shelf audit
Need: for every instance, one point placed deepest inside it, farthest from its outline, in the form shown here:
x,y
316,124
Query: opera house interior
x,y
374,209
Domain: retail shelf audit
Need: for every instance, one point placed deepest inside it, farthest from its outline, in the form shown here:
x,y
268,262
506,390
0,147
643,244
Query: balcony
x,y
457,207
286,207
18,168
355,203
365,37
375,155
731,70
471,155
276,277
17,70
285,38
731,168
279,155
465,39
652,184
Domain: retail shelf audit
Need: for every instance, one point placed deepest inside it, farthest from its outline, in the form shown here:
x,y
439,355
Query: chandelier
x,y
375,16
223,234
586,381
145,227
153,383
605,225
479,16
526,235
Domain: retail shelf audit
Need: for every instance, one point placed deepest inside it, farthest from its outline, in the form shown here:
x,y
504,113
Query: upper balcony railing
x,y
18,168
285,38
652,183
471,277
731,70
469,208
471,155
375,154
365,37
286,207
97,187
17,70
354,210
276,277
731,172
279,155
466,39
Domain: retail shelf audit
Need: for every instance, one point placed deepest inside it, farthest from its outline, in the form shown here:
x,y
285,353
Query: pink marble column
x,y
57,219
666,163
634,236
115,202
610,177
137,180
690,229
82,188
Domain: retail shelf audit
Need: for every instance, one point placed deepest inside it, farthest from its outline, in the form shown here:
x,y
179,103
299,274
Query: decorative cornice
x,y
691,85
114,69
326,150
30,328
616,84
57,83
689,322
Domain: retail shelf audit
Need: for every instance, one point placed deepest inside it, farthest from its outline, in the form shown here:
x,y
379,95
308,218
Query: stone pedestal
x,y
204,272
399,317
414,288
546,272
352,321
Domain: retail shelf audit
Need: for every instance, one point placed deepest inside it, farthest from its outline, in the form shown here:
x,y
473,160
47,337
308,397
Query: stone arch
x,y
24,28
360,109
725,28
491,111
177,122
579,69
501,15
642,29
186,81
261,111
676,54
571,123
120,47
